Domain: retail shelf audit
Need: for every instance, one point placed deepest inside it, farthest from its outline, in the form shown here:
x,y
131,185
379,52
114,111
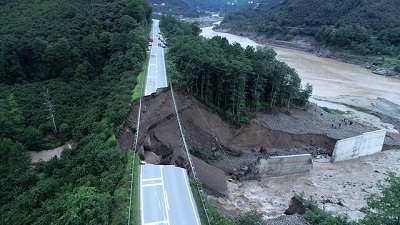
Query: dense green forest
x,y
231,79
195,8
174,7
366,27
67,70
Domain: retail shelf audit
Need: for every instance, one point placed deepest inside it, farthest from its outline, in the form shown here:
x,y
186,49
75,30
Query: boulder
x,y
381,71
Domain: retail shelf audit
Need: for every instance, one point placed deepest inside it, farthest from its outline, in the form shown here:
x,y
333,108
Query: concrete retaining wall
x,y
362,145
281,165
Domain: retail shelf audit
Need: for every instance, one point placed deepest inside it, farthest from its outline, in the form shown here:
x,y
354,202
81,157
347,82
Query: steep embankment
x,y
229,147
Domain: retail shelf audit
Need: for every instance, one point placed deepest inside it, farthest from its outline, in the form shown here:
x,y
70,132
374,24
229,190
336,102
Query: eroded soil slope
x,y
230,147
223,148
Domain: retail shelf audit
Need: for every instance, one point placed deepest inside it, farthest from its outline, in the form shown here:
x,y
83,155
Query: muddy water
x,y
339,182
46,155
328,77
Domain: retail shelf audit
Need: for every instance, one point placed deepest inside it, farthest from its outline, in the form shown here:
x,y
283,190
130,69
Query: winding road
x,y
156,75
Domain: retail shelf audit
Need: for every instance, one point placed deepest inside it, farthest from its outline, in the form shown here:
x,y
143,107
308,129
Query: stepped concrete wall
x,y
281,165
366,144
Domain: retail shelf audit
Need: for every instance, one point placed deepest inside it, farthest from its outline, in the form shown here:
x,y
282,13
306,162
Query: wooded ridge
x,y
67,71
228,77
365,27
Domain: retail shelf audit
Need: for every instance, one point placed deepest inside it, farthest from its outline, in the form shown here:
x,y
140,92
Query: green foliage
x,y
65,39
135,192
365,27
317,216
138,91
384,208
74,189
195,8
397,68
215,215
173,27
333,111
250,218
87,54
86,206
174,7
14,163
229,78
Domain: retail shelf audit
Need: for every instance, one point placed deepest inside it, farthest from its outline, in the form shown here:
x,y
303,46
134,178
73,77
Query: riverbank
x,y
364,97
377,65
224,147
46,155
332,79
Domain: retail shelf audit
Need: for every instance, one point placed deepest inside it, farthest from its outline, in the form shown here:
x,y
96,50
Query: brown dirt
x,y
221,146
280,132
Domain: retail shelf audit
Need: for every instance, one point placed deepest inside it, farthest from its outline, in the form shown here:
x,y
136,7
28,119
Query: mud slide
x,y
225,146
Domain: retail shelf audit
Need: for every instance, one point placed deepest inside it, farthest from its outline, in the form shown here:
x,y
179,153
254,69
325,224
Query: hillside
x,y
67,70
362,26
194,8
173,7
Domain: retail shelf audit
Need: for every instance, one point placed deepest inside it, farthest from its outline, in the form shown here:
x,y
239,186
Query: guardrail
x,y
192,168
134,147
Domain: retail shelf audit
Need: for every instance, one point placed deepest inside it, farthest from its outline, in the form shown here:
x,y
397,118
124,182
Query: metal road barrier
x,y
192,168
134,155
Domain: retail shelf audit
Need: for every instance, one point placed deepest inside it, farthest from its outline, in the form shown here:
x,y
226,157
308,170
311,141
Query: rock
x,y
381,71
295,207
140,152
151,157
147,143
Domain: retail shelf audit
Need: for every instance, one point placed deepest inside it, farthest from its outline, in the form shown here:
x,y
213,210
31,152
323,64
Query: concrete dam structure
x,y
281,165
366,144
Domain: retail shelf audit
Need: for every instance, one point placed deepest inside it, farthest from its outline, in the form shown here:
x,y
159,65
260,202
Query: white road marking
x,y
157,223
151,185
166,197
163,187
141,195
156,73
151,179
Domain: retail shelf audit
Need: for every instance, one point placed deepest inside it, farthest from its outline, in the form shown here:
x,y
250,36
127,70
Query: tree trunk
x,y
50,108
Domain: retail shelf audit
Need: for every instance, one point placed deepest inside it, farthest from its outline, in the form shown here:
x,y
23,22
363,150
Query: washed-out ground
x,y
278,132
339,188
370,100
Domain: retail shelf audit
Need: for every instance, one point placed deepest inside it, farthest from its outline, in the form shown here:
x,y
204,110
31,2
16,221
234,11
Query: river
x,y
334,82
327,76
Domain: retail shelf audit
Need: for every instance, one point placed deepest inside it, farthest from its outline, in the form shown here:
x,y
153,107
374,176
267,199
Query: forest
x,y
195,8
67,71
364,27
231,79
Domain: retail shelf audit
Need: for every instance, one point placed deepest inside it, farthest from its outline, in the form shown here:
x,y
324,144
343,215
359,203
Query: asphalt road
x,y
156,75
166,197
